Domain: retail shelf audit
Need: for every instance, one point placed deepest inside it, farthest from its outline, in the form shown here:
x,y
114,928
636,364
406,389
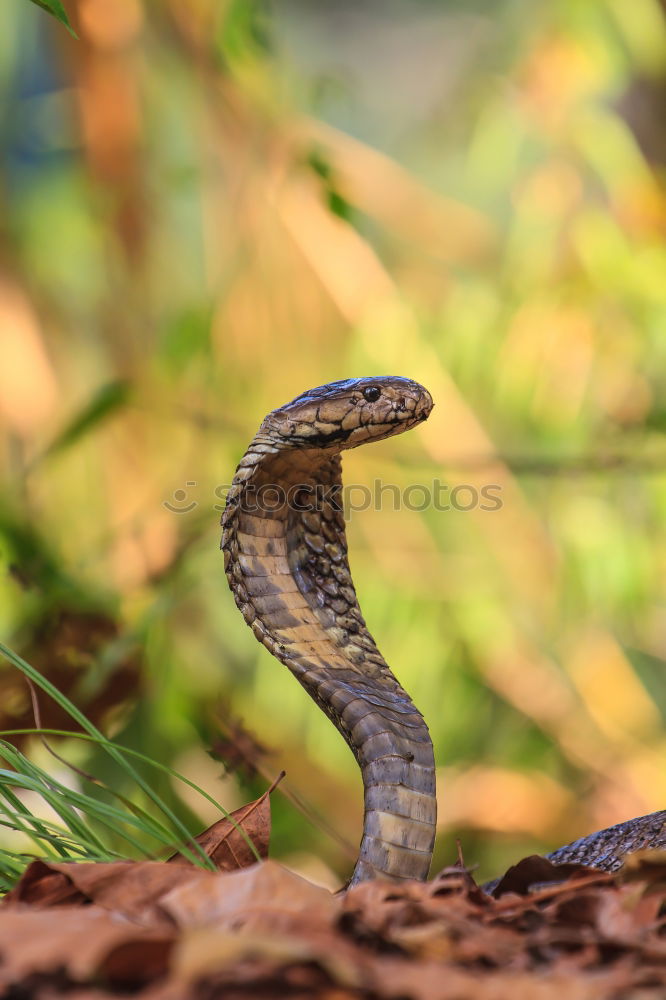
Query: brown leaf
x,y
133,888
536,871
455,878
647,865
210,954
43,885
435,981
226,841
265,896
86,943
174,932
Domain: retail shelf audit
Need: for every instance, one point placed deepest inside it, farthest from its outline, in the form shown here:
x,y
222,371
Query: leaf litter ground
x,y
253,929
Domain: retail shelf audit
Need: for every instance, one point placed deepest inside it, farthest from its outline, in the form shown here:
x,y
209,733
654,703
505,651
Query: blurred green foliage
x,y
211,207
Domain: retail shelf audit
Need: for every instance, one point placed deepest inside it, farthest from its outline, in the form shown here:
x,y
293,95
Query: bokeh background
x,y
208,208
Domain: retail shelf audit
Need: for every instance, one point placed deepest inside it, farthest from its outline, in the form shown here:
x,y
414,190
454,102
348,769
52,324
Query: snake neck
x,y
286,561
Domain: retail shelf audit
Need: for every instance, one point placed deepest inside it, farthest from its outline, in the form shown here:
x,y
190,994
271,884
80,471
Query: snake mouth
x,y
422,413
327,440
425,405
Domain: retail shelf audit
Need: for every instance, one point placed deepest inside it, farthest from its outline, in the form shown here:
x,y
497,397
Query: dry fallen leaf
x,y
228,842
82,944
536,871
265,896
160,931
131,888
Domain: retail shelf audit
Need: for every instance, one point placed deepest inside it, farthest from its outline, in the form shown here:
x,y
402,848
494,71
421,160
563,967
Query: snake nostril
x,y
402,406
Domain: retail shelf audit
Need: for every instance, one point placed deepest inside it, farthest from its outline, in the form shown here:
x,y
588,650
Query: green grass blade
x,y
57,795
17,822
158,765
59,838
67,802
197,855
75,827
56,8
148,824
21,819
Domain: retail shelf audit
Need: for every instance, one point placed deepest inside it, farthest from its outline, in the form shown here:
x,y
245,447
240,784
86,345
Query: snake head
x,y
349,413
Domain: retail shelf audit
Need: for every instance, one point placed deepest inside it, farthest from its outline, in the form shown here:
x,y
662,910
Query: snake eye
x,y
372,393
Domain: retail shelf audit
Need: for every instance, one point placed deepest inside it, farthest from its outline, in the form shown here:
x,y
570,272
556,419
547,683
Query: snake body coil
x,y
285,557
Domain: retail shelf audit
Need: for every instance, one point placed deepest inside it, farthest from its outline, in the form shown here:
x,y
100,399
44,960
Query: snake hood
x,y
349,413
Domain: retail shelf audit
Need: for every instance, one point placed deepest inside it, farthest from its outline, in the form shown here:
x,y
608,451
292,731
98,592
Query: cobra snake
x,y
285,555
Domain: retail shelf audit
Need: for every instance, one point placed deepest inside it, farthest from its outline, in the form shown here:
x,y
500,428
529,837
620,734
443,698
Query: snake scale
x,y
285,554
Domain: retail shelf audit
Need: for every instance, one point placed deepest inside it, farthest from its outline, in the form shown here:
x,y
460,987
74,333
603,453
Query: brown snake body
x,y
285,553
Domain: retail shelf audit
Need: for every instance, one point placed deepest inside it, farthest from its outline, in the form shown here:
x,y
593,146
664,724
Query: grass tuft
x,y
85,826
